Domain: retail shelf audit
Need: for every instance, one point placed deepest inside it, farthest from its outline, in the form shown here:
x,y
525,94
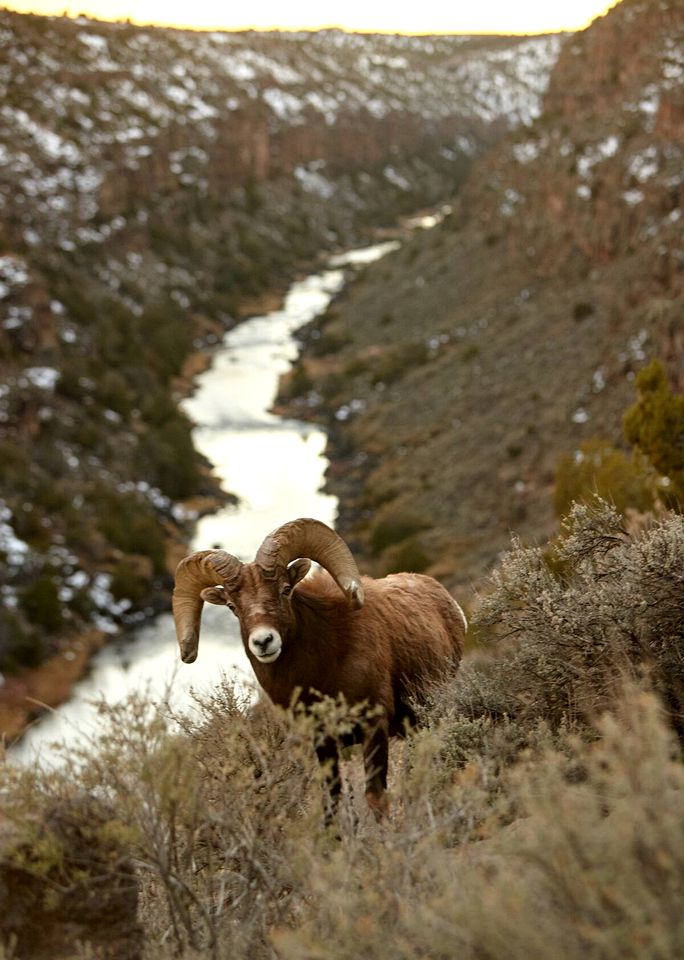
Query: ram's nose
x,y
265,643
262,643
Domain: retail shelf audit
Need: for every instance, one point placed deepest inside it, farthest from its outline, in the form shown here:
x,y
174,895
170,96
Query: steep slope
x,y
456,373
151,182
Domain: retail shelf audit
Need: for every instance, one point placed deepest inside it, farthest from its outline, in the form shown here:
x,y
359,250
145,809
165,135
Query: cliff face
x,y
104,116
469,361
601,173
150,182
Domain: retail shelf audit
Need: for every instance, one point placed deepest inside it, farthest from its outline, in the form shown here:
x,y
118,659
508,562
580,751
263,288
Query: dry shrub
x,y
212,802
604,607
213,807
593,867
568,848
521,827
67,876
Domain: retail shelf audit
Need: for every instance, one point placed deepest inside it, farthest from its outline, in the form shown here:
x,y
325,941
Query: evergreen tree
x,y
655,425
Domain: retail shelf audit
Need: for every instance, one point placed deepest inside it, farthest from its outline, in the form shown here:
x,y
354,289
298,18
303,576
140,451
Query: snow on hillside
x,y
151,182
82,98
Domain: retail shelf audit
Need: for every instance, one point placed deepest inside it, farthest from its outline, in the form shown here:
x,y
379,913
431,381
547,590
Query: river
x,y
274,465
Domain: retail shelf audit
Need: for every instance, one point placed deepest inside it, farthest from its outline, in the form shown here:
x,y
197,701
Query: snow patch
x,y
15,550
526,152
597,153
632,197
285,105
644,165
512,199
45,378
94,42
396,179
314,182
13,273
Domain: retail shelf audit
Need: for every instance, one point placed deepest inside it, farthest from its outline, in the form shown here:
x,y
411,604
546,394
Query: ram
x,y
332,632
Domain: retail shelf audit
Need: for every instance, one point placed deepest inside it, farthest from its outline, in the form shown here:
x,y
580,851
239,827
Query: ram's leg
x,y
376,759
328,757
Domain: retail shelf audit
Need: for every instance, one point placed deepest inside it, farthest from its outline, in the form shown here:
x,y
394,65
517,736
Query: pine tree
x,y
655,424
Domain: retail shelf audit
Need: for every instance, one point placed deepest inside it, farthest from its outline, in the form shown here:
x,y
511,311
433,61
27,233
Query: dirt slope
x,y
455,373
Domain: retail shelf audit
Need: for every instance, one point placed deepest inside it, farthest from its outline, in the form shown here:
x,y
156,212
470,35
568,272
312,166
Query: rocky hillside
x,y
455,374
152,182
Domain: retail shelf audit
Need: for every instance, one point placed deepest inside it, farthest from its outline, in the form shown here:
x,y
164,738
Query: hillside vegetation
x,y
519,356
152,184
459,374
537,813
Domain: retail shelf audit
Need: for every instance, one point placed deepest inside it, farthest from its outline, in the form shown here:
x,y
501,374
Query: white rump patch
x,y
463,616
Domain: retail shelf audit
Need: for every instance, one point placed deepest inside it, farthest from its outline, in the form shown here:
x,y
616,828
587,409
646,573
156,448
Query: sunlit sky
x,y
387,16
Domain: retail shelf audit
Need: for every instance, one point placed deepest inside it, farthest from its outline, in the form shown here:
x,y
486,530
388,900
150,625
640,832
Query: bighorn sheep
x,y
335,632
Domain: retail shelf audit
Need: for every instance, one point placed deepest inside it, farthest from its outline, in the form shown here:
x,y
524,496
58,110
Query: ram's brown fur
x,y
408,632
408,629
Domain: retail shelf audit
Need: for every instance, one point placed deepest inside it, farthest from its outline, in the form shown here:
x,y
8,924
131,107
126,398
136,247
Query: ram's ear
x,y
215,595
297,571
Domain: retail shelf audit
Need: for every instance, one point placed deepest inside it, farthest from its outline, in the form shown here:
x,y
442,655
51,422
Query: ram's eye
x,y
285,590
231,606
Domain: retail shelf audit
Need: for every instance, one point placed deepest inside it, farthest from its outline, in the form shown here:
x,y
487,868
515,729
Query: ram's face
x,y
263,608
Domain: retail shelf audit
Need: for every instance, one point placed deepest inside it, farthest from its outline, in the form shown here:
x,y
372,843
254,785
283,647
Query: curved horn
x,y
312,539
206,568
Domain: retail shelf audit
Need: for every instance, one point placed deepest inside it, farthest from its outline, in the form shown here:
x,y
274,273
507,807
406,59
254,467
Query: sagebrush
x,y
536,813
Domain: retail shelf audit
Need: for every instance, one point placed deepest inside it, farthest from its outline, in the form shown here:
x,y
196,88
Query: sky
x,y
387,16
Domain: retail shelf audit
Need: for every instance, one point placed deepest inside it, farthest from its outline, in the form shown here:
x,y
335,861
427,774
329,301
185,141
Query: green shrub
x,y
253,197
113,391
471,352
394,524
14,466
612,609
157,408
332,384
406,557
50,494
655,425
20,646
88,434
81,604
582,310
40,602
296,384
129,523
29,525
600,469
397,360
358,365
330,341
129,581
168,458
166,336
